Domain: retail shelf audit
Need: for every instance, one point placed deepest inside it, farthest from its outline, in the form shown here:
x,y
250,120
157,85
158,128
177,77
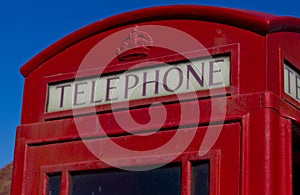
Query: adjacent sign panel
x,y
291,82
196,75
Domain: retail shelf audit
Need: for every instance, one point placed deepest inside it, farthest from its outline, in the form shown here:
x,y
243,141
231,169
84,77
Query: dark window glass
x,y
296,159
201,178
54,184
161,181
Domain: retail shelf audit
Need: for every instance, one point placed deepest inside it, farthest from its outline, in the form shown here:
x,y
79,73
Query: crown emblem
x,y
135,46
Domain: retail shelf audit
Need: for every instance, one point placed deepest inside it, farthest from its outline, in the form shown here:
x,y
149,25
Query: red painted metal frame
x,y
256,103
34,109
260,23
66,163
286,57
281,47
257,107
186,160
266,153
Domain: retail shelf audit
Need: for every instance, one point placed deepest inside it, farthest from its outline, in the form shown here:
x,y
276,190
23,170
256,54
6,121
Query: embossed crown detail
x,y
136,45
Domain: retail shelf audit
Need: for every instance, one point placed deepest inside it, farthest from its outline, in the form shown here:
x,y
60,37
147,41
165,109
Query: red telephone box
x,y
164,100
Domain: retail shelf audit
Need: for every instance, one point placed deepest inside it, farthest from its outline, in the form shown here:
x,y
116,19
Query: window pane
x,y
54,184
201,178
162,181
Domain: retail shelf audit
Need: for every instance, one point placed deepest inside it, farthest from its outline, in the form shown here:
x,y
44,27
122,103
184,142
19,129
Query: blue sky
x,y
27,27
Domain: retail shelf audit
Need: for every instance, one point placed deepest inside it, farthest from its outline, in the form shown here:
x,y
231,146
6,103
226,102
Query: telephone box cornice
x,y
257,22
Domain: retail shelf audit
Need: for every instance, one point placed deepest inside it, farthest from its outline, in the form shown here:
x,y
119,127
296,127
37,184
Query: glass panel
x,y
201,178
296,159
162,181
54,184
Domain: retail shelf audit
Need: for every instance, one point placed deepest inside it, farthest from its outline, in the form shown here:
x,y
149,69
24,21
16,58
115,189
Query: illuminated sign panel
x,y
291,82
197,75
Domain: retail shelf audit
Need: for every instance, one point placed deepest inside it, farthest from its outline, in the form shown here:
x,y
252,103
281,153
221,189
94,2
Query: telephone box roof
x,y
257,22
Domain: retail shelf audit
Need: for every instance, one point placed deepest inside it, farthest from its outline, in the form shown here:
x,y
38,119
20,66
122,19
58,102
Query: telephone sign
x,y
199,74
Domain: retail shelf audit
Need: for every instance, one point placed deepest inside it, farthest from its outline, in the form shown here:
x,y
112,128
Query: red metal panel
x,y
233,40
252,154
281,46
64,188
63,130
266,153
237,107
18,166
224,156
187,177
253,21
